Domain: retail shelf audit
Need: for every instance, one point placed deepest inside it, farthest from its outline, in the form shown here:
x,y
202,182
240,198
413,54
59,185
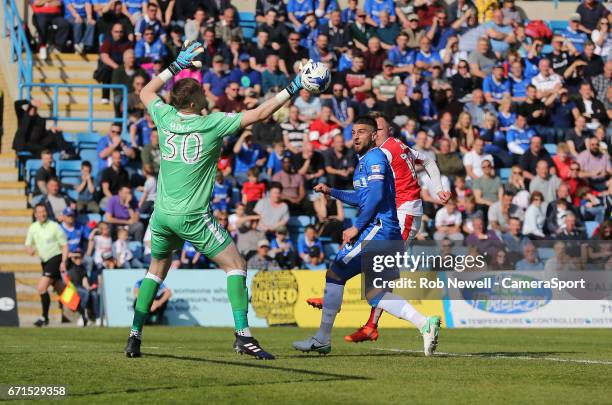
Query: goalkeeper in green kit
x,y
190,144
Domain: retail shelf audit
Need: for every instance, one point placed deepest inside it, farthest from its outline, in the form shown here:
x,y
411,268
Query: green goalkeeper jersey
x,y
190,146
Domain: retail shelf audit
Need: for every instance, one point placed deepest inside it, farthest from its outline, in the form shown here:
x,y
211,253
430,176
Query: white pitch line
x,y
501,356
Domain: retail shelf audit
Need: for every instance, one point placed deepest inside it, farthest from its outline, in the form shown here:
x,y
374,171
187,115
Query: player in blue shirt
x,y
495,86
374,194
519,136
221,194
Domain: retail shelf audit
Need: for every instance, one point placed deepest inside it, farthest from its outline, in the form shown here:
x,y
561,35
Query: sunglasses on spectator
x,y
115,132
234,88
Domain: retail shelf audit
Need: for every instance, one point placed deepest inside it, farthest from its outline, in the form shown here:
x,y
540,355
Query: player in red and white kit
x,y
403,161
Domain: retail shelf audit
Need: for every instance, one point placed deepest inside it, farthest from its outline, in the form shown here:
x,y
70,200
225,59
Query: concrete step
x,y
14,247
80,96
81,111
34,298
55,58
14,228
7,159
66,80
27,280
61,73
16,215
20,267
17,256
12,188
8,174
12,239
73,126
84,107
13,201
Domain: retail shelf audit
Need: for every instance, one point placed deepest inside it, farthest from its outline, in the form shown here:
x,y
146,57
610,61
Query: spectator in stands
x,y
294,131
76,234
501,34
277,31
262,7
86,190
602,39
501,211
216,79
149,21
122,211
530,158
399,107
275,159
544,182
149,192
486,242
261,260
482,59
283,251
322,52
339,164
488,187
530,260
231,101
571,235
385,83
221,194
474,158
519,136
79,13
601,83
291,53
590,12
195,25
100,242
465,134
110,143
590,108
574,34
113,178
448,222
596,166
513,238
32,135
150,154
495,86
191,258
252,190
450,163
54,200
478,107
226,28
266,133
307,241
271,76
45,172
135,105
124,256
337,33
111,56
77,274
576,138
125,74
297,11
249,79
324,129
273,212
247,155
308,105
547,82
149,48
293,192
259,51
45,15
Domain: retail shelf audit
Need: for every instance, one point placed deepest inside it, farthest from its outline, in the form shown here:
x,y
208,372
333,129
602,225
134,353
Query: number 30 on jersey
x,y
186,148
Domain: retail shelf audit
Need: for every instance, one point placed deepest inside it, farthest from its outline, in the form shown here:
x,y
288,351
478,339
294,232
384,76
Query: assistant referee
x,y
47,238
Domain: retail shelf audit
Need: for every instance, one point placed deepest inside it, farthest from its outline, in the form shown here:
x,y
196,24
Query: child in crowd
x,y
252,190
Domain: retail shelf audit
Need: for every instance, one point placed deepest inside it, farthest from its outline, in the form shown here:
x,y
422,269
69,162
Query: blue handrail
x,y
19,45
55,115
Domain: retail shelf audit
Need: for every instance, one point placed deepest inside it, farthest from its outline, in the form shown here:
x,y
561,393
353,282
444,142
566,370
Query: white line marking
x,y
501,356
150,347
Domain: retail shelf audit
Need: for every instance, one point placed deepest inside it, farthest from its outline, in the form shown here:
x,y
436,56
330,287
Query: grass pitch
x,y
197,365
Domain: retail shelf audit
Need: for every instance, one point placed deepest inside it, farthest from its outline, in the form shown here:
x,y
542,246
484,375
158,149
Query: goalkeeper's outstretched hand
x,y
296,83
186,56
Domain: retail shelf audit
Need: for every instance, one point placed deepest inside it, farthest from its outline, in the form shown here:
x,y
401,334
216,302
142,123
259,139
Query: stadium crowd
x,y
517,117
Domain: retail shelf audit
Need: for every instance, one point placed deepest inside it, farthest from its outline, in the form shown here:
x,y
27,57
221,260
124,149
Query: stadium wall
x,y
279,298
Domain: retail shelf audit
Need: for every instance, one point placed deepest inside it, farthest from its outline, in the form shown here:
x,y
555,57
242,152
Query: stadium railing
x,y
22,54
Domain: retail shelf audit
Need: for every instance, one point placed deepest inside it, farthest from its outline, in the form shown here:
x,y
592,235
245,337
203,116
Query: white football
x,y
316,77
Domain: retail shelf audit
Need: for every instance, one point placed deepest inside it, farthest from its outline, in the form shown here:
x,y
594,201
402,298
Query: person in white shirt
x,y
448,222
547,81
474,158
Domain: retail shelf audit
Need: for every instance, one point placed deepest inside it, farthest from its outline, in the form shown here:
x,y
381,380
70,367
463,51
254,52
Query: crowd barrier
x,y
279,298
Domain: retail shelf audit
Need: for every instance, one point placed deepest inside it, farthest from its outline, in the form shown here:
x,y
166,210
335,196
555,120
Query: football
x,y
316,77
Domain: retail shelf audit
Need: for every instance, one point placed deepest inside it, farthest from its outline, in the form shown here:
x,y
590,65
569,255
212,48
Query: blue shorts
x,y
347,263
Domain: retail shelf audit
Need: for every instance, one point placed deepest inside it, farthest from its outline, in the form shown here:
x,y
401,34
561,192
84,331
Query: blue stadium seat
x,y
330,250
86,140
558,25
545,253
236,196
551,148
70,180
31,167
69,168
300,221
248,24
85,218
590,226
504,173
547,49
72,193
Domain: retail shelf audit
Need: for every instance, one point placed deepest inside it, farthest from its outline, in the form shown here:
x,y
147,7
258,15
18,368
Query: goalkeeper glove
x,y
185,58
296,83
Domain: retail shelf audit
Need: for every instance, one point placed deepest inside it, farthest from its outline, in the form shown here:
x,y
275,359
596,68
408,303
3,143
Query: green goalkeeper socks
x,y
239,299
146,294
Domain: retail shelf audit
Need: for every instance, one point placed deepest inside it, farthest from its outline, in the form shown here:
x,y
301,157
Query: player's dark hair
x,y
366,120
40,204
186,93
376,114
86,163
276,184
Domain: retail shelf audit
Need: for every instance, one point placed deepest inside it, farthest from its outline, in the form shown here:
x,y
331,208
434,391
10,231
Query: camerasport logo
x,y
7,304
506,301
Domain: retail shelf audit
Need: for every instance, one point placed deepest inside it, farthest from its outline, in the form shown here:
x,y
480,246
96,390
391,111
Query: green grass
x,y
197,365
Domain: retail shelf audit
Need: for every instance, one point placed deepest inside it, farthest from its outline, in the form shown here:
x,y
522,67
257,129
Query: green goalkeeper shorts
x,y
168,233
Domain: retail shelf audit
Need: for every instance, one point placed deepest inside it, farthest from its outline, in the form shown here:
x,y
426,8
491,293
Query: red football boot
x,y
315,302
363,334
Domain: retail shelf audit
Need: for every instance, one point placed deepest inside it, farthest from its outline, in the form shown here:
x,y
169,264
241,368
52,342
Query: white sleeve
x,y
434,174
418,156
